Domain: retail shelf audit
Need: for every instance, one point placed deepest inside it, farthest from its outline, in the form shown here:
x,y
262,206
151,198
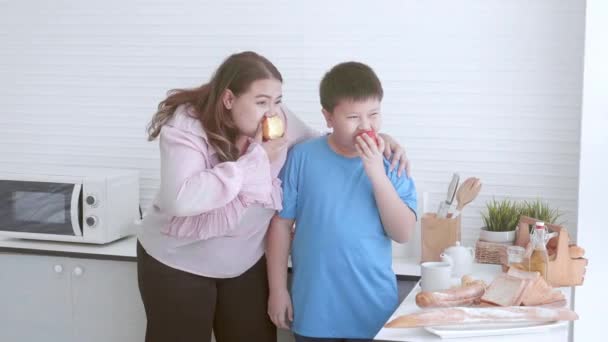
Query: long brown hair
x,y
236,73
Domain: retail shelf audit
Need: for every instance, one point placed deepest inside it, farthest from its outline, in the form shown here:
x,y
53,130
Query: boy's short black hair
x,y
349,81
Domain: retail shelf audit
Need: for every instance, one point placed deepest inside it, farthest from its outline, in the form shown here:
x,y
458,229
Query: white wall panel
x,y
485,88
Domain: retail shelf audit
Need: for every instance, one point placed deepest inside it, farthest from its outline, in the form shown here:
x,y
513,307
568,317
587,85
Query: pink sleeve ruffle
x,y
258,189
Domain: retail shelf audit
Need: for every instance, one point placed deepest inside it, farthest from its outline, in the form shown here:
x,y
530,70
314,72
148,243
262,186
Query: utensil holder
x,y
437,234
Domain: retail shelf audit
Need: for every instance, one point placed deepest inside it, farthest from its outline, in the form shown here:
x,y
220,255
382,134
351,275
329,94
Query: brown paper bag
x,y
437,235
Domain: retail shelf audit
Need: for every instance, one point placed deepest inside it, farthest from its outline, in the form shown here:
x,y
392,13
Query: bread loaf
x,y
537,291
505,290
461,315
468,294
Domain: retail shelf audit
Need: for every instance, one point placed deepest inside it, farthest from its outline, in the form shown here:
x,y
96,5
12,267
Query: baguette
x,y
463,315
468,294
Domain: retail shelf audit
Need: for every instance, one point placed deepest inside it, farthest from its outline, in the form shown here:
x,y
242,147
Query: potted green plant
x,y
541,211
500,220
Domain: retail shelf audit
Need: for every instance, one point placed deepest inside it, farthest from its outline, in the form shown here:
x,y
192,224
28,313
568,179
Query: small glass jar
x,y
517,258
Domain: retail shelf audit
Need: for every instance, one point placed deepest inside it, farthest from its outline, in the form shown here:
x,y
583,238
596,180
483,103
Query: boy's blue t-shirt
x,y
343,284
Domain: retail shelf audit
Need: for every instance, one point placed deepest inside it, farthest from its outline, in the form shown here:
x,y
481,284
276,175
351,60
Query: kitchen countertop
x,y
122,249
484,272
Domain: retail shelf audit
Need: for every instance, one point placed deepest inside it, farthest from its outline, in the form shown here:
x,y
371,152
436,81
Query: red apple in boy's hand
x,y
371,134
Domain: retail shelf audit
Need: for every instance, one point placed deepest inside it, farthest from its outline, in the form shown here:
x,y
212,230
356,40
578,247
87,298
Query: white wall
x,y
590,300
489,88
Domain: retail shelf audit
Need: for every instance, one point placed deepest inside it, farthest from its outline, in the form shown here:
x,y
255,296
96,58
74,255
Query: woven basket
x,y
491,253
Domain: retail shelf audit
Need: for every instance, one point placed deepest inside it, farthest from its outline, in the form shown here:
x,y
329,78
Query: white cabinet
x,y
47,298
35,299
106,302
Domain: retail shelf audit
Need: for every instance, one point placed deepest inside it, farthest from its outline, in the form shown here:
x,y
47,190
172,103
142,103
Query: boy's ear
x,y
228,99
328,118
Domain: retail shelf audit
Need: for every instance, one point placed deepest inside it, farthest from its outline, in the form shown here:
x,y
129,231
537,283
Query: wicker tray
x,y
491,253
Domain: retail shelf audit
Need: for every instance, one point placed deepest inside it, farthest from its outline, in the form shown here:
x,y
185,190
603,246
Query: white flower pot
x,y
497,237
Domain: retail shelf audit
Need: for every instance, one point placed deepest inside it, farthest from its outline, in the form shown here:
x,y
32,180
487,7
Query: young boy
x,y
347,207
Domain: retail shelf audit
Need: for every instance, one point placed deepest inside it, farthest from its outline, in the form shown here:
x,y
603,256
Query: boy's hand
x,y
279,308
371,155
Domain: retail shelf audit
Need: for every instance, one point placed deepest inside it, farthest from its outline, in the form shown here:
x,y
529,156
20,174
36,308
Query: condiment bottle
x,y
539,260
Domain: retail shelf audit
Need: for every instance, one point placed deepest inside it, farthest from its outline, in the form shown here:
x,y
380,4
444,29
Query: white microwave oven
x,y
72,204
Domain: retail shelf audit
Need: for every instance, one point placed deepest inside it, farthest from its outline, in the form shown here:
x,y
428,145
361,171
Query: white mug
x,y
436,276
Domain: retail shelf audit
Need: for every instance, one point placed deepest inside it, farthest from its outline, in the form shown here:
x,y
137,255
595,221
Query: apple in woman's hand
x,y
272,128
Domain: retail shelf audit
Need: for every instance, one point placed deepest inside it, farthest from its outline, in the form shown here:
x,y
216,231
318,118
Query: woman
x,y
200,253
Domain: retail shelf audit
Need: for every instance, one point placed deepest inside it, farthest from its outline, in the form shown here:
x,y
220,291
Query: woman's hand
x,y
279,308
371,155
392,148
274,148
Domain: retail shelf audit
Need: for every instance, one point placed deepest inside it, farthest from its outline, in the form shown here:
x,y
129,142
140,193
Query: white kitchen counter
x,y
485,272
123,248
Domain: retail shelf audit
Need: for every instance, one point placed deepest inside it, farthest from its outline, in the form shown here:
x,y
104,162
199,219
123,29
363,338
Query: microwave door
x,y
76,210
40,207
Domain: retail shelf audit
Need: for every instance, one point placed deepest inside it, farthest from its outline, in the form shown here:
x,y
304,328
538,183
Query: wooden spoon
x,y
467,192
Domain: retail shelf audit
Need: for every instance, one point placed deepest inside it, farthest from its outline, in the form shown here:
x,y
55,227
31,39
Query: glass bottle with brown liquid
x,y
539,260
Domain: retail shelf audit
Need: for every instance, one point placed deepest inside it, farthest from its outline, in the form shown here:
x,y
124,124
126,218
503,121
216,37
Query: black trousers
x,y
182,306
